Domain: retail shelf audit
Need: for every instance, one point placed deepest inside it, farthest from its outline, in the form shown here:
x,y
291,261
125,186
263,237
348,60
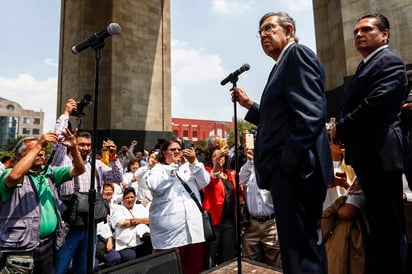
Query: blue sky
x,y
210,39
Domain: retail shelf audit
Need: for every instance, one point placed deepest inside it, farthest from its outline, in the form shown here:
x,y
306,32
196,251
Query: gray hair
x,y
21,146
284,20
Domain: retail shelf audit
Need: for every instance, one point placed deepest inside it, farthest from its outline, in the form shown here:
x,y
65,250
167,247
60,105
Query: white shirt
x,y
127,237
175,219
143,190
259,201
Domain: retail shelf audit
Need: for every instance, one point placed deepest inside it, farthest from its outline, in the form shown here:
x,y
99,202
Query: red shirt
x,y
214,195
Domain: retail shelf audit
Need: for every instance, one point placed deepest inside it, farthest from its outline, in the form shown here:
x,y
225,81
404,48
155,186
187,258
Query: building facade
x,y
16,121
198,130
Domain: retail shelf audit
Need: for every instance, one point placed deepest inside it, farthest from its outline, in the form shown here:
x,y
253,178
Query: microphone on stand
x,y
235,74
96,38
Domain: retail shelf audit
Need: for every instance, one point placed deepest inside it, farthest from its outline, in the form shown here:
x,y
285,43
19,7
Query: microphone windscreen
x,y
245,67
114,29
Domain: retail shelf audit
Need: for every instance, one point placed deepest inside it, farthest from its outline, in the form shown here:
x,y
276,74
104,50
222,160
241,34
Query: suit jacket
x,y
291,119
369,123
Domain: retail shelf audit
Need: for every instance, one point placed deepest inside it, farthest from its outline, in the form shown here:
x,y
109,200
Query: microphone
x,y
236,73
96,38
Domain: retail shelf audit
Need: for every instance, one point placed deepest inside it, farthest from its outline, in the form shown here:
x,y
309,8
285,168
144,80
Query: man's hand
x,y
70,105
239,95
340,180
110,146
69,138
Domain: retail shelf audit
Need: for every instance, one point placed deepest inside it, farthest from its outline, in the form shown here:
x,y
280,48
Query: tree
x,y
241,126
11,144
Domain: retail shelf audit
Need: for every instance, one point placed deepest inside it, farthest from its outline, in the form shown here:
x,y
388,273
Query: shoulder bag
x,y
77,203
208,228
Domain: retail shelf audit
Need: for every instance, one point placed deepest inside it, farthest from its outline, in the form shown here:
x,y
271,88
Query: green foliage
x,y
9,149
201,144
241,126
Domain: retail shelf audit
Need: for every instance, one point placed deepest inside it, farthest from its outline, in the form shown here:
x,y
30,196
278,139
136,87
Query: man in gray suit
x,y
369,126
292,154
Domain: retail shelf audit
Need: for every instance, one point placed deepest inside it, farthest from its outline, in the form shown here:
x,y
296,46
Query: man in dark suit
x,y
369,127
292,154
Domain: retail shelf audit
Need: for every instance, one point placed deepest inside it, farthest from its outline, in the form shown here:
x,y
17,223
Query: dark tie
x,y
360,67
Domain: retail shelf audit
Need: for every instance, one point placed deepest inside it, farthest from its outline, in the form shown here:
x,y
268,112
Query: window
x,y
10,107
194,134
36,131
36,121
26,120
175,133
185,133
26,131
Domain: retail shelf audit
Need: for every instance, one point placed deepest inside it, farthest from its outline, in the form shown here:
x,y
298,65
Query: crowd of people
x,y
322,197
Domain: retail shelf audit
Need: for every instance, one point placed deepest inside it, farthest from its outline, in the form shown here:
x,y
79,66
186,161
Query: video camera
x,y
84,102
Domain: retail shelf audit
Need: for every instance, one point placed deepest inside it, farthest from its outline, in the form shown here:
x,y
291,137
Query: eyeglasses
x,y
175,149
266,28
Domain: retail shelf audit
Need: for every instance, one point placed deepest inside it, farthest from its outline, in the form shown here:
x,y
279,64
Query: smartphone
x,y
250,141
187,144
222,142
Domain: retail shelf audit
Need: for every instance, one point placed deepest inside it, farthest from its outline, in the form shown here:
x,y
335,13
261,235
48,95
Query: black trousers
x,y
44,257
386,243
223,248
298,208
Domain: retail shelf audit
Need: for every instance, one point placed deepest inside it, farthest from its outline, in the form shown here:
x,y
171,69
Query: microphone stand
x,y
92,191
237,168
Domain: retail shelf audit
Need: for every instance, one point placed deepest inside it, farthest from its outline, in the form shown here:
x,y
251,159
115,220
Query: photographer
x,y
75,247
31,224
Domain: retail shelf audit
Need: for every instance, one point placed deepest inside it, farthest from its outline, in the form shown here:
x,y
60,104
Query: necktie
x,y
360,67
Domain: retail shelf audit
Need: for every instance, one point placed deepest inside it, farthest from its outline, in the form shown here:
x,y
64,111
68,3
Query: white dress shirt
x,y
127,237
259,201
175,219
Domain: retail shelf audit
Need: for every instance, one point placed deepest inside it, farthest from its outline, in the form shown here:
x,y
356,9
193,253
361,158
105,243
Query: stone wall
x,y
334,23
135,82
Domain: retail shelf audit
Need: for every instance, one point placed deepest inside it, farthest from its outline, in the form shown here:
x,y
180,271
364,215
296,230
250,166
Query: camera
x,y
84,102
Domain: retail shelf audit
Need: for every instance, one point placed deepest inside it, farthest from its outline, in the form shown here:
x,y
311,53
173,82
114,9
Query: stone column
x,y
134,99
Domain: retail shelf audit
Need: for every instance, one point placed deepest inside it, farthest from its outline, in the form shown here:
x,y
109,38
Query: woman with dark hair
x,y
219,200
130,221
175,219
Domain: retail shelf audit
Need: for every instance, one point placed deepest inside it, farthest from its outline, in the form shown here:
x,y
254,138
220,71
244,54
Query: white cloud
x,y
194,65
231,6
51,62
33,94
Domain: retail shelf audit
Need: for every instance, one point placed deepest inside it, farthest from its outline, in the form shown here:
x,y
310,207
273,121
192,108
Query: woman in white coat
x,y
175,219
